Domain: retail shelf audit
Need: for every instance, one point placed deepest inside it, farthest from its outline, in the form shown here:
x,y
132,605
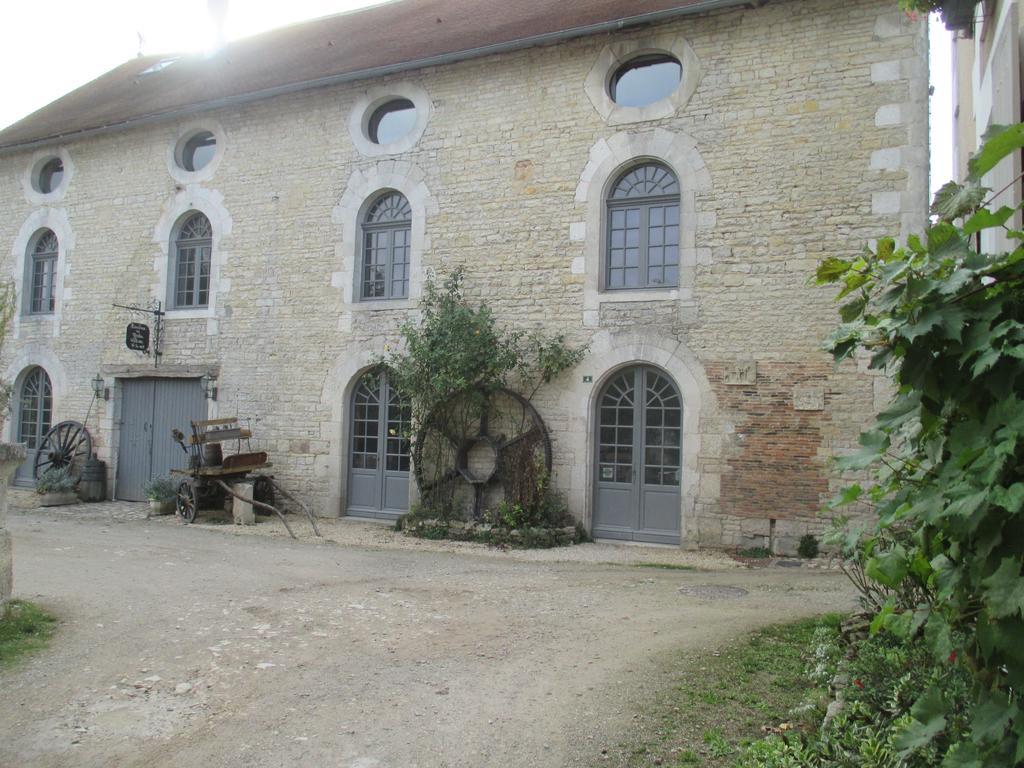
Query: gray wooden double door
x,y
150,409
378,474
639,458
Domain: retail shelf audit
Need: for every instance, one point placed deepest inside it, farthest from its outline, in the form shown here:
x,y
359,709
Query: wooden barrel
x,y
93,485
213,456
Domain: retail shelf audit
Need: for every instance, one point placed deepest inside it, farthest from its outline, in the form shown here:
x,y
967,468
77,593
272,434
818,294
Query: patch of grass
x,y
717,703
24,628
667,566
755,553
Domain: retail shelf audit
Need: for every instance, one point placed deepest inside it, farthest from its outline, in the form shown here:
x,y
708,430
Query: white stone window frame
x,y
30,175
32,257
31,356
211,204
614,55
176,147
56,220
363,189
374,98
609,159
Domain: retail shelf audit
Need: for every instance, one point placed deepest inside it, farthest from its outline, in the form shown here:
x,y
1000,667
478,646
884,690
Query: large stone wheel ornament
x,y
484,452
67,445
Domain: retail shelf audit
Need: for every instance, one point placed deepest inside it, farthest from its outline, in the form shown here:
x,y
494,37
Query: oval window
x,y
645,80
198,151
391,121
50,175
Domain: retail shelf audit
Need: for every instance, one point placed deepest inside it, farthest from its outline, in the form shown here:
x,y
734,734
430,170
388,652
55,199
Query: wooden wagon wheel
x,y
67,445
507,432
186,502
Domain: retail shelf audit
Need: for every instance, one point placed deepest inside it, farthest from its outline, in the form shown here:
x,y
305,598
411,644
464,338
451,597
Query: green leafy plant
x,y
24,628
160,489
754,553
8,302
450,364
808,546
921,6
55,480
946,458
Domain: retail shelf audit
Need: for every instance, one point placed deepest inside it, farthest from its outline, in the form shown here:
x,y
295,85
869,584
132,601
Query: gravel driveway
x,y
188,647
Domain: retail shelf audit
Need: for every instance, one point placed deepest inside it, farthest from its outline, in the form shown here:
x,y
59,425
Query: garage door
x,y
150,409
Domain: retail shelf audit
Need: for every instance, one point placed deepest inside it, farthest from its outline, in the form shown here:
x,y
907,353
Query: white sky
x,y
50,47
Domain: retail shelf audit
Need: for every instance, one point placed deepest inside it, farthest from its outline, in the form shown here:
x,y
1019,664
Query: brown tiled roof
x,y
394,36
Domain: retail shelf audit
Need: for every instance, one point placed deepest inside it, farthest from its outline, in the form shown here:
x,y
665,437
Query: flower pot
x,y
58,499
158,507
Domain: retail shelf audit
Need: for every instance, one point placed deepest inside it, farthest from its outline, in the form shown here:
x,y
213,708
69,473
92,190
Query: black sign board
x,y
137,337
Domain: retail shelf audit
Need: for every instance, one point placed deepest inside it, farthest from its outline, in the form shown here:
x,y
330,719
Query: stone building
x,y
987,92
656,178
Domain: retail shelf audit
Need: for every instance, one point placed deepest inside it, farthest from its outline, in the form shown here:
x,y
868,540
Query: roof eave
x,y
390,69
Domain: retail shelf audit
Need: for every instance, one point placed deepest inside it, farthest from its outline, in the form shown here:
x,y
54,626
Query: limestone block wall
x,y
804,135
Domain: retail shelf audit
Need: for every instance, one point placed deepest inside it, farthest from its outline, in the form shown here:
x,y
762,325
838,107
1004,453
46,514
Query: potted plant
x,y
56,487
161,492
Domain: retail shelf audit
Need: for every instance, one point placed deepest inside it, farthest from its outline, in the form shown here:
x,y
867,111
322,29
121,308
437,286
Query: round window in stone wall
x,y
645,79
197,150
391,121
49,176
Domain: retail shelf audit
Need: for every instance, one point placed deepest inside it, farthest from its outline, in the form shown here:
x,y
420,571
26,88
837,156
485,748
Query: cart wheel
x,y
186,503
65,446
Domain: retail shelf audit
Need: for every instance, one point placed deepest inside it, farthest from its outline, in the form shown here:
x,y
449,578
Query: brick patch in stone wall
x,y
773,468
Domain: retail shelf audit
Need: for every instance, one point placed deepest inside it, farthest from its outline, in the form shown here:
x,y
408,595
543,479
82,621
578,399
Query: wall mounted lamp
x,y
98,388
209,383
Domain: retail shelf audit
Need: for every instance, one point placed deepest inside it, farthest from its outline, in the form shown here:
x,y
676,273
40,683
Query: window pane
x,y
198,151
392,121
646,80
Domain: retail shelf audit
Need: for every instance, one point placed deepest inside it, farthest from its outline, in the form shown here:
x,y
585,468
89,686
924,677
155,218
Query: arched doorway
x,y
35,415
378,466
638,457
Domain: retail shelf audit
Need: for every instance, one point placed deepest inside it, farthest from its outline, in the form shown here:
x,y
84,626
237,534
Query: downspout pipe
x,y
547,38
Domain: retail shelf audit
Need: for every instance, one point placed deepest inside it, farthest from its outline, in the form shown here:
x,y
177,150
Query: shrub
x,y
808,547
160,489
55,480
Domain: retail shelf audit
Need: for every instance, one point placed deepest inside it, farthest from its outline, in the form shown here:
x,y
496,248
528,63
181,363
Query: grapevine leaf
x,y
1004,589
889,568
989,721
999,141
962,755
985,219
929,721
831,269
954,200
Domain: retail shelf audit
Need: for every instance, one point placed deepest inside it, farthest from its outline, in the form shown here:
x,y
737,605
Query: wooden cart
x,y
204,484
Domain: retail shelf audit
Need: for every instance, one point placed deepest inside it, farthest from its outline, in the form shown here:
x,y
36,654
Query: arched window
x,y
192,248
35,414
387,234
43,273
642,247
